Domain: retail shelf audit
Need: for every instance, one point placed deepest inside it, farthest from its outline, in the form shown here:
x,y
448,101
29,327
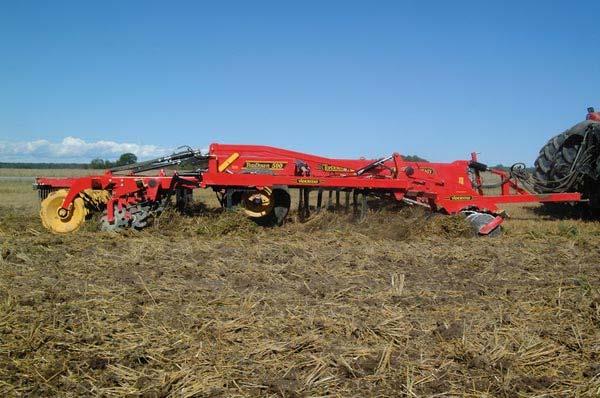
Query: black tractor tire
x,y
557,156
555,161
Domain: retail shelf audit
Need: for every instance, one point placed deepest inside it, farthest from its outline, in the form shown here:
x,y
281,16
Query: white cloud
x,y
73,149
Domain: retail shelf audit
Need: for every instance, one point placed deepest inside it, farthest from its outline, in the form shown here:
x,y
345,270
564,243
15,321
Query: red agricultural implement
x,y
260,178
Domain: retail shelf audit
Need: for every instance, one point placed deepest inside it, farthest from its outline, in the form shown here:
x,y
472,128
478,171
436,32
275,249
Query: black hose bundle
x,y
557,170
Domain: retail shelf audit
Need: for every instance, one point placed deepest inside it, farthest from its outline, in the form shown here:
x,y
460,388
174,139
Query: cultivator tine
x,y
183,198
347,201
228,199
359,203
331,205
306,203
354,201
300,202
319,200
363,207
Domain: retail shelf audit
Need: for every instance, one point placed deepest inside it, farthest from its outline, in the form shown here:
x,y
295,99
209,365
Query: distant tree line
x,y
124,159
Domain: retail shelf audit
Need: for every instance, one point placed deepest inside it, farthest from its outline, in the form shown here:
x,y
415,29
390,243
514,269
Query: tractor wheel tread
x,y
569,153
557,156
549,151
558,141
543,165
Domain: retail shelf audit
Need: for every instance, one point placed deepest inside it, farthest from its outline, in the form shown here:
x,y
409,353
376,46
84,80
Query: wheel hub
x,y
63,213
258,203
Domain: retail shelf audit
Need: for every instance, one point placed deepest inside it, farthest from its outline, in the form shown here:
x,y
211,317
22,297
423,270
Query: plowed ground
x,y
402,304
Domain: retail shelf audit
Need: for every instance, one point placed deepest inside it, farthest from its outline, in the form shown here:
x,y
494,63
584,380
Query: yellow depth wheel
x,y
258,203
62,225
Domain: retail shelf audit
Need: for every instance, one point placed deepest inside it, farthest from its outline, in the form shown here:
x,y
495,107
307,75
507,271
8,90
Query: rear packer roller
x,y
62,221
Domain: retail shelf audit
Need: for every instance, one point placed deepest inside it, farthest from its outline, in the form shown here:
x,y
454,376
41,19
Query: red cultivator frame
x,y
259,179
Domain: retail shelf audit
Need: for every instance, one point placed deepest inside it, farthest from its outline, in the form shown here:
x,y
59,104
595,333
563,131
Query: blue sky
x,y
346,79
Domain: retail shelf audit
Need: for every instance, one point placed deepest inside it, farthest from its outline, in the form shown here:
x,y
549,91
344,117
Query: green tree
x,y
127,158
413,158
97,164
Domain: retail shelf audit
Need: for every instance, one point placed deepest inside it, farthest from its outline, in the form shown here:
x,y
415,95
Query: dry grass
x,y
210,306
18,195
47,172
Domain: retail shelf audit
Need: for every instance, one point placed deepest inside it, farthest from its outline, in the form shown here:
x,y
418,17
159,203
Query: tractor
x,y
570,162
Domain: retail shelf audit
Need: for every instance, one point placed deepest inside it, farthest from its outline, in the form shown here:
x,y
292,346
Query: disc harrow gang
x,y
261,179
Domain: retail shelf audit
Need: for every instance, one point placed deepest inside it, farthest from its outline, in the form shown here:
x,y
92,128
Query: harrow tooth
x,y
329,199
337,199
43,191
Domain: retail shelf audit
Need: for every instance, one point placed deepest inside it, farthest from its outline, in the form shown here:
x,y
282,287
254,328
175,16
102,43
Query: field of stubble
x,y
401,304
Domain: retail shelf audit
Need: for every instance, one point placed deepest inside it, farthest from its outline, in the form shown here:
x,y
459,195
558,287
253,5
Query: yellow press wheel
x,y
258,203
71,220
